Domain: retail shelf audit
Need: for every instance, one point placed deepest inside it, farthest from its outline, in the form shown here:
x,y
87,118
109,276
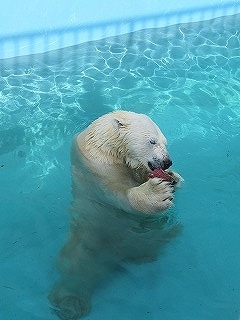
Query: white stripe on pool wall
x,y
29,27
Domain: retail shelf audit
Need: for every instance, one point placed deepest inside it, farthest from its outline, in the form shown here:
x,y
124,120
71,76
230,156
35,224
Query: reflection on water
x,y
186,77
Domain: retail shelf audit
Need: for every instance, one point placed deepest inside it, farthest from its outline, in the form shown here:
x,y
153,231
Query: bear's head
x,y
128,138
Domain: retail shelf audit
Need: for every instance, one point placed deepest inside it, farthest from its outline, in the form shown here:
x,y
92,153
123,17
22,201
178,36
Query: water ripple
x,y
191,67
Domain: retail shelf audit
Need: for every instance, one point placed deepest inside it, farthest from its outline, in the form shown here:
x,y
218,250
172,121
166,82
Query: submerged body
x,y
117,211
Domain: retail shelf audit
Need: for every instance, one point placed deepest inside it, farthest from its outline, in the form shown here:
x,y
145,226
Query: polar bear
x,y
117,212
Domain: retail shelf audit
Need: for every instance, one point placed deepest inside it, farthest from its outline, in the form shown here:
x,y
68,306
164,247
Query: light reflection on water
x,y
186,77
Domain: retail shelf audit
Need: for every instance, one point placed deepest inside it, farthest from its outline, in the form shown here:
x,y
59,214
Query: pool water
x,y
186,78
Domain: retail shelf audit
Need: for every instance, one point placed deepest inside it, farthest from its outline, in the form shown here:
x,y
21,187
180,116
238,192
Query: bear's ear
x,y
119,123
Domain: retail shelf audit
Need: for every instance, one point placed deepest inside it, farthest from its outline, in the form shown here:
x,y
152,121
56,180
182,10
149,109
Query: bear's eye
x,y
153,141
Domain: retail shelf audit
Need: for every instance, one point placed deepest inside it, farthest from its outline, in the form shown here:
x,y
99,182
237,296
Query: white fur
x,y
116,209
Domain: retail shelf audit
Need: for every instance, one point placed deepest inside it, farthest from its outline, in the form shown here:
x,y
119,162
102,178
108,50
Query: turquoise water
x,y
186,78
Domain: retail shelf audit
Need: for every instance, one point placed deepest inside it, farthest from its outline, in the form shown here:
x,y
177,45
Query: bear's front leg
x,y
153,196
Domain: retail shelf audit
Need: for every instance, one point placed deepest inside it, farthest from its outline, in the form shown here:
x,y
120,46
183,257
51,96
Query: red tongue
x,y
160,173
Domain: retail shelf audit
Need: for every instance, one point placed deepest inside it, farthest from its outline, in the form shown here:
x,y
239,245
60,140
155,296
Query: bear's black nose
x,y
166,163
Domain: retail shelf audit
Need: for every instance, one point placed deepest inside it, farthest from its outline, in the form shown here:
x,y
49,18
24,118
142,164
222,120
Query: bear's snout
x,y
160,164
166,163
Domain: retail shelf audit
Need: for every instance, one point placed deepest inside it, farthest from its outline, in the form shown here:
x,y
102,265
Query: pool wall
x,y
29,27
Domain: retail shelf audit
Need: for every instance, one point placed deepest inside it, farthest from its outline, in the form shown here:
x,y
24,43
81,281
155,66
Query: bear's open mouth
x,y
152,167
